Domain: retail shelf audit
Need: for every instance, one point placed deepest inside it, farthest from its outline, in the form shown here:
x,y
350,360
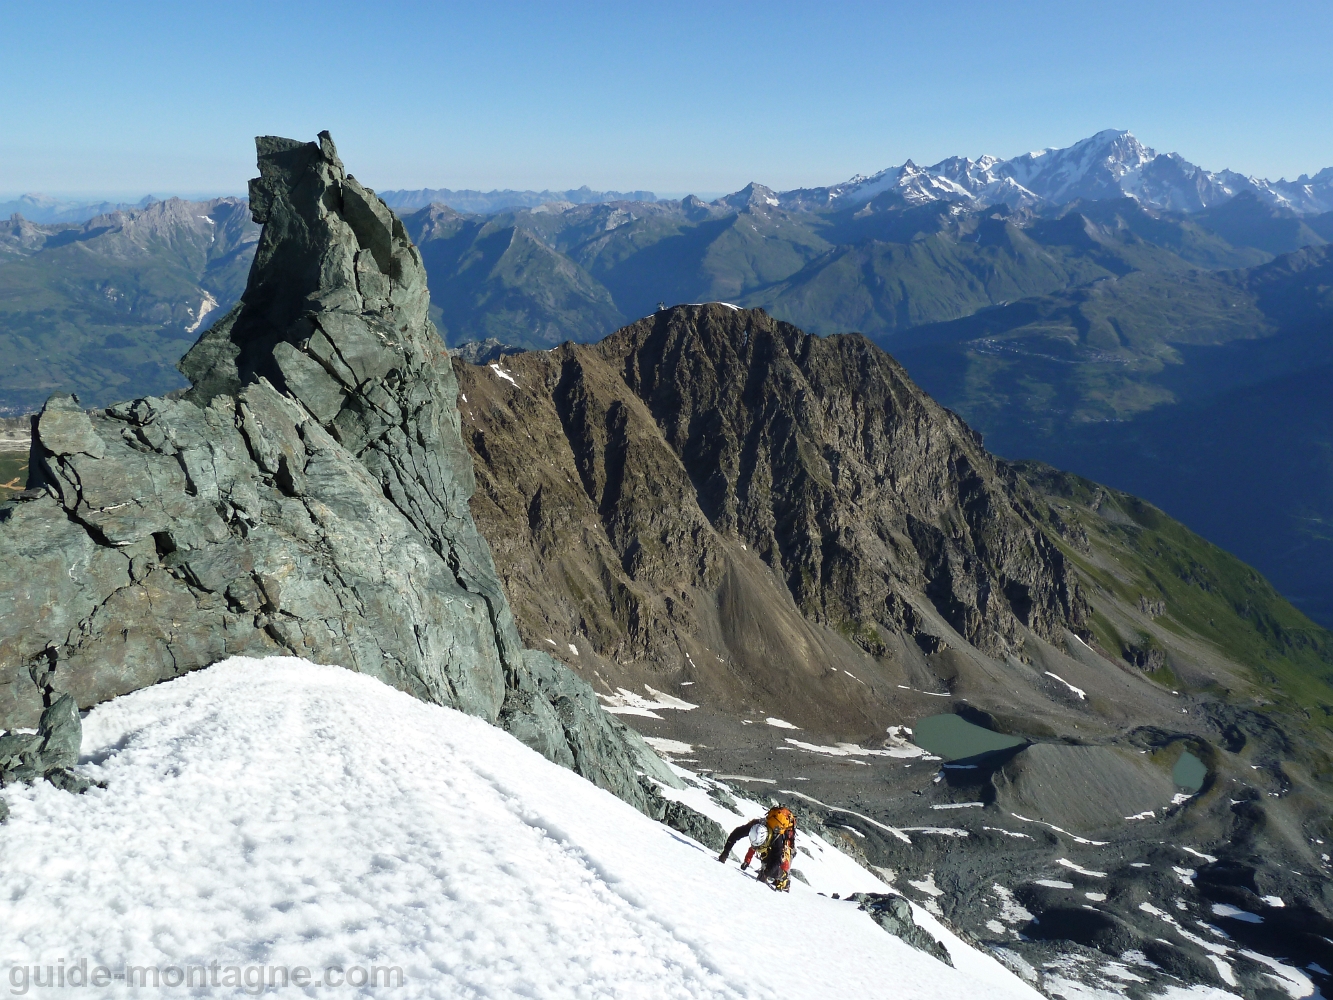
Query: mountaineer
x,y
773,838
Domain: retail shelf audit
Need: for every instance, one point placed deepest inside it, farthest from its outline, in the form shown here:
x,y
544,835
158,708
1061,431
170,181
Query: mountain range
x,y
486,202
1071,331
1110,164
44,208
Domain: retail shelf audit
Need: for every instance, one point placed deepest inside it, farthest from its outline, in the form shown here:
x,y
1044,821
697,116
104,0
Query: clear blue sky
x,y
131,98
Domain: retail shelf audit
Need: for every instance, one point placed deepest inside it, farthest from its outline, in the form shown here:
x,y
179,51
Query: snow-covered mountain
x,y
1111,164
264,820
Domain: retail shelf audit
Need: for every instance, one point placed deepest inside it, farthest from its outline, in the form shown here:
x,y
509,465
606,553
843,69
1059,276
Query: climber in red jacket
x,y
773,838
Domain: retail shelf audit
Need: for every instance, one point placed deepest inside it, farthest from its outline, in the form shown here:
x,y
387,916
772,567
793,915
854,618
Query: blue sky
x,y
131,98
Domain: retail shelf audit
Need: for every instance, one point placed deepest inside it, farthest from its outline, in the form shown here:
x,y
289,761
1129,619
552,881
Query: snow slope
x,y
277,813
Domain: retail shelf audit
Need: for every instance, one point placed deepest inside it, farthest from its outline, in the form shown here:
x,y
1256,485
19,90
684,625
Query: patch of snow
x,y
1180,798
1082,871
847,812
1146,814
1186,875
1008,833
781,724
1121,972
1072,836
1223,969
463,396
663,745
959,805
626,702
1295,982
1096,897
1011,911
574,649
1197,992
852,750
1236,913
503,374
926,885
1052,883
746,777
1082,695
1273,900
205,307
1210,946
942,831
850,829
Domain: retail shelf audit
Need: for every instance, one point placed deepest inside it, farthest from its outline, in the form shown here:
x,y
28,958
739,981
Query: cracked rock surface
x,y
307,496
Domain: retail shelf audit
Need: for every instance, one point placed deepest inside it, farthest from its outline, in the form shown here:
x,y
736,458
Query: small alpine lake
x,y
954,738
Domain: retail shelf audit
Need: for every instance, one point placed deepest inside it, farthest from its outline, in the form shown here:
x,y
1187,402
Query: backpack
x,y
780,819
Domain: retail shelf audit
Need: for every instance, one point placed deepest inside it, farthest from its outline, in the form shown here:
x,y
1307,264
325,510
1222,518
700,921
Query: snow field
x,y
277,813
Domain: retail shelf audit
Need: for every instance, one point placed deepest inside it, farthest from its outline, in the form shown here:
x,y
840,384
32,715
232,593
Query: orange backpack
x,y
779,819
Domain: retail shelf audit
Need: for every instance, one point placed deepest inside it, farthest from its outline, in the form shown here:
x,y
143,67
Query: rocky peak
x,y
657,496
752,196
309,496
787,434
695,208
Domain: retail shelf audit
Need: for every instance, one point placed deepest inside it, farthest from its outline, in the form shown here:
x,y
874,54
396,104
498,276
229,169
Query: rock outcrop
x,y
894,914
308,496
51,752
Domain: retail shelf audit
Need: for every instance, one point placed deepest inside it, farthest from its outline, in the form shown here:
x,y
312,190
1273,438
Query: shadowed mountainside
x,y
710,493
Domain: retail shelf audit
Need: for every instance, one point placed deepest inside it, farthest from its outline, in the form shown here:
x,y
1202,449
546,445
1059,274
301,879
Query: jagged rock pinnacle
x,y
308,495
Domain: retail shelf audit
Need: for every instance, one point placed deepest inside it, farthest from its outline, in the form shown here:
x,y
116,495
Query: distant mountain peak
x,y
1109,164
753,195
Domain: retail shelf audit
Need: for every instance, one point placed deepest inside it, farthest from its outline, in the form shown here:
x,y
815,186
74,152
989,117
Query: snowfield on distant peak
x,y
273,813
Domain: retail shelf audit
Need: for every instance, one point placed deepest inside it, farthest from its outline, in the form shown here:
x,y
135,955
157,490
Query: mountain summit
x,y
1111,164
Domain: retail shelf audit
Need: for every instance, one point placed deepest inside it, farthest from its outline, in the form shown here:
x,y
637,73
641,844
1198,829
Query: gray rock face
x,y
49,753
686,820
308,496
894,914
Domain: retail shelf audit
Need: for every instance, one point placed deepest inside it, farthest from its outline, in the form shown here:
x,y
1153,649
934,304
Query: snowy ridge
x,y
1111,164
266,814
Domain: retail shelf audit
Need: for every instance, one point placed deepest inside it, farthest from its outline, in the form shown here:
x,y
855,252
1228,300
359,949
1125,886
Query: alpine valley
x,y
709,555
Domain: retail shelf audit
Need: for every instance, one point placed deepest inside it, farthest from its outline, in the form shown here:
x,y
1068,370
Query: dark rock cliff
x,y
308,496
712,486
